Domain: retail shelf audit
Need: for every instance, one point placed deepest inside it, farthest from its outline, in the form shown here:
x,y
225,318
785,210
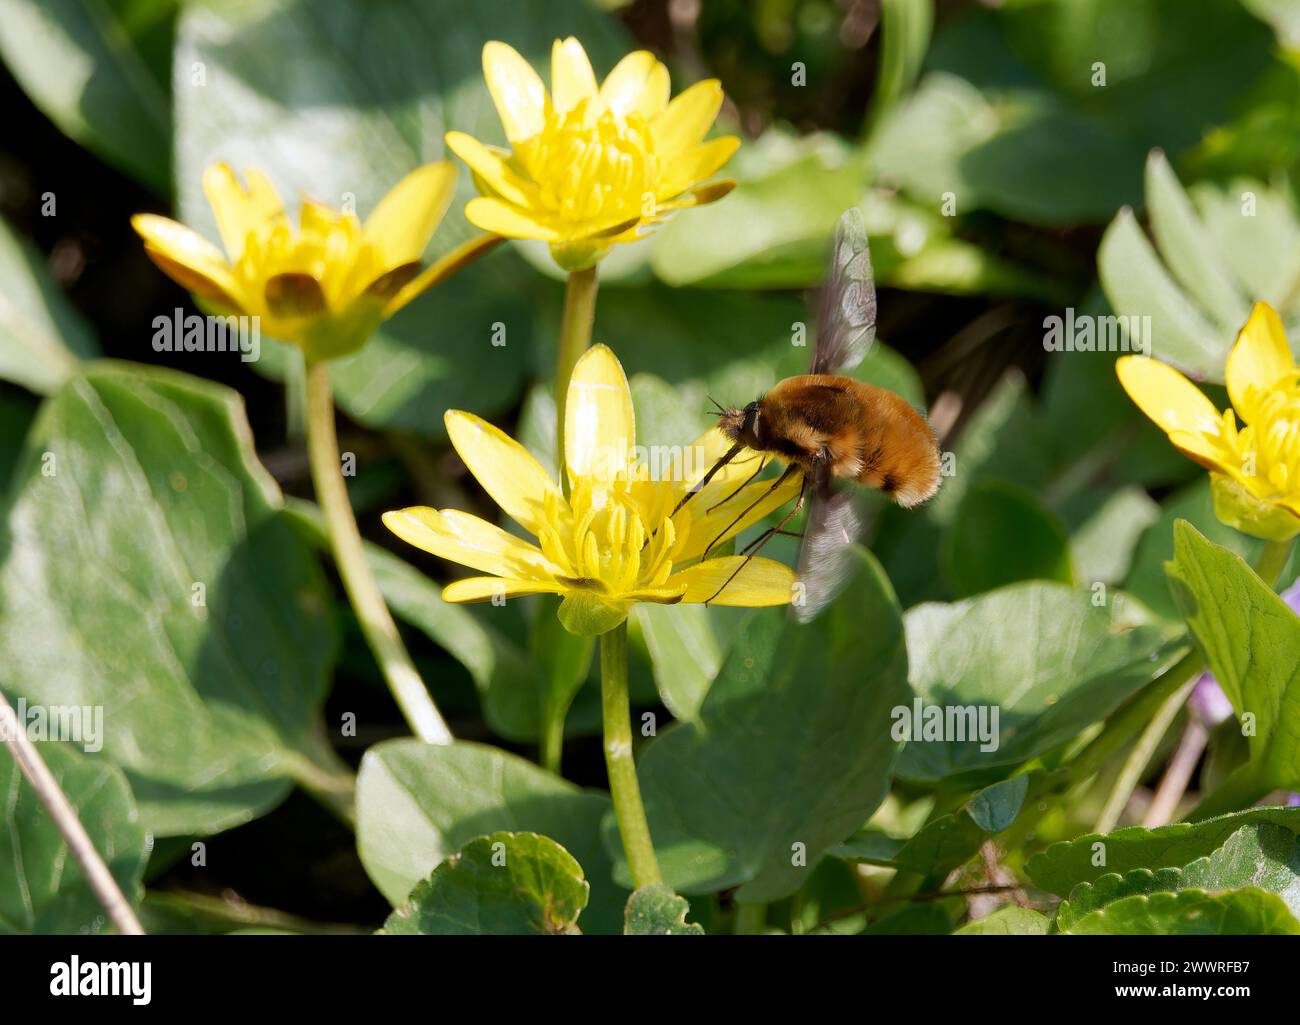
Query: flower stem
x,y
623,785
751,918
1272,559
345,539
575,339
1140,756
60,809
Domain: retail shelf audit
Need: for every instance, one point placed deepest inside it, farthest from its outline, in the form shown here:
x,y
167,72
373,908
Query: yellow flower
x,y
324,287
590,167
613,542
1255,468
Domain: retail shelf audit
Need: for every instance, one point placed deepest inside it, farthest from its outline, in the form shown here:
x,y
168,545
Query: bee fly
x,y
828,428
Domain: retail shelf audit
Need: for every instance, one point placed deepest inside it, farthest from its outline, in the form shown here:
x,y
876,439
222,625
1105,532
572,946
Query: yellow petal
x,y
599,425
684,169
459,537
239,211
492,165
763,582
1258,361
1167,397
701,196
638,83
506,470
184,250
687,119
572,79
500,218
516,89
473,589
401,225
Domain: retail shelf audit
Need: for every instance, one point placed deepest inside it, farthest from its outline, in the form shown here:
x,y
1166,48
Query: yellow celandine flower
x,y
1255,468
614,541
591,166
325,286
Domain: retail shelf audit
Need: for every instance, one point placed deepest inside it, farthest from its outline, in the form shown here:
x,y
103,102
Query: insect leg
x,y
764,538
727,457
775,484
748,481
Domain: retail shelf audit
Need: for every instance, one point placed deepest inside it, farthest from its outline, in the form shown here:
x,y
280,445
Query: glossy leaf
x,y
418,804
144,544
499,884
1044,657
1248,911
657,911
791,751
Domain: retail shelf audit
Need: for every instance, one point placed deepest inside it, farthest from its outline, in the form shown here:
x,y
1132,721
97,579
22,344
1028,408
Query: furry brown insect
x,y
843,427
830,428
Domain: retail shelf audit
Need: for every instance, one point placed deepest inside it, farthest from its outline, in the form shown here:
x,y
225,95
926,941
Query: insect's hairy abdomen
x,y
860,431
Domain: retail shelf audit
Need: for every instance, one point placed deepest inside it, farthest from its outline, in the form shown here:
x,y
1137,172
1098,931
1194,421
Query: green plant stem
x,y
327,778
751,918
345,539
240,915
1272,559
623,785
1140,757
551,741
575,338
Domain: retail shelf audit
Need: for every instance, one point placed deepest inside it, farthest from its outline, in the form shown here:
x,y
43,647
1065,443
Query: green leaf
x,y
41,335
42,889
1244,912
418,804
144,545
1104,544
1137,284
507,681
1235,618
1146,579
791,748
1222,247
396,80
657,911
774,227
87,67
1002,534
1258,854
1088,897
1011,920
685,652
1063,865
1189,247
947,841
499,884
1043,657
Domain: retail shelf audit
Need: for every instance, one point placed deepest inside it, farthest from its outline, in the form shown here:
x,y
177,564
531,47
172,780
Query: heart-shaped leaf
x,y
791,751
657,911
1045,659
1087,858
499,884
144,546
417,804
1245,912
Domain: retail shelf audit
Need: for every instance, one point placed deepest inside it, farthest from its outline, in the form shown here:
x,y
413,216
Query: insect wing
x,y
846,322
834,523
